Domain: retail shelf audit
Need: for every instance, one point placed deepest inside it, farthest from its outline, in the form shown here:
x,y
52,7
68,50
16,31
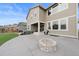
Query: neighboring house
x,y
59,19
1,29
9,28
12,28
22,26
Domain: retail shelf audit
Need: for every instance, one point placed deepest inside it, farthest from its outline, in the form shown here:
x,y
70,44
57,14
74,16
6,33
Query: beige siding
x,y
42,15
71,11
68,12
71,28
32,18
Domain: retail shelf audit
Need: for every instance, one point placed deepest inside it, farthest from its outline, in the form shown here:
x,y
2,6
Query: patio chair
x,y
46,32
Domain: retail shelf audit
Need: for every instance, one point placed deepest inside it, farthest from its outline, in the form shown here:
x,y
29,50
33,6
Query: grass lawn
x,y
7,36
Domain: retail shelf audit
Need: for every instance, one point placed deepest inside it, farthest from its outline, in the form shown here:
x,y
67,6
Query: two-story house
x,y
59,19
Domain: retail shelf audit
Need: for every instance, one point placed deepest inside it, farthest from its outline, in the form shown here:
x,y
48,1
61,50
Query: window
x,y
49,25
62,6
59,24
55,25
63,24
54,10
57,8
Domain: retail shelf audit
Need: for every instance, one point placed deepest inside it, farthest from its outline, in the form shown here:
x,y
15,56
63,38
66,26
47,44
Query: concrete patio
x,y
27,45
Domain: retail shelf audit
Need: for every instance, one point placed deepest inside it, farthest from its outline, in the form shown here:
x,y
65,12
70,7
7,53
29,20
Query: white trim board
x,y
59,25
71,36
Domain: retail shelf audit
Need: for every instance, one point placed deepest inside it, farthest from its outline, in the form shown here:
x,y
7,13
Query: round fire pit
x,y
47,44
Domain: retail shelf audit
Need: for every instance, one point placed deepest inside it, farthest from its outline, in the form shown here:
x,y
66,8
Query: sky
x,y
14,13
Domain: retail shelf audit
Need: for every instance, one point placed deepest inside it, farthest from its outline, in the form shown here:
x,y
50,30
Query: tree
x,y
22,26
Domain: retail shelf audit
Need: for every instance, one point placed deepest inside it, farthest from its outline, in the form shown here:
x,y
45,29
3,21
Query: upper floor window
x,y
33,15
54,10
58,8
62,6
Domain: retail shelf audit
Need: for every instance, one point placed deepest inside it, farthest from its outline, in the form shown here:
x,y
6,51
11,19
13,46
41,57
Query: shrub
x,y
26,32
29,32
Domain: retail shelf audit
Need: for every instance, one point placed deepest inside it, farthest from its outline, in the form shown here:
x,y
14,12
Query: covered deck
x,y
37,27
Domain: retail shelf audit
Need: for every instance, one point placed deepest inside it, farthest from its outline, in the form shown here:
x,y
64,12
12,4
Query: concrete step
x,y
38,33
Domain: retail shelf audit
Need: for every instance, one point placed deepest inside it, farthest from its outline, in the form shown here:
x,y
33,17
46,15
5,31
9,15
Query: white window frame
x,y
63,5
52,24
59,25
66,19
58,8
52,10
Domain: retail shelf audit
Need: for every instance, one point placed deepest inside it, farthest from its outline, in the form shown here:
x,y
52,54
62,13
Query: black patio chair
x,y
46,32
